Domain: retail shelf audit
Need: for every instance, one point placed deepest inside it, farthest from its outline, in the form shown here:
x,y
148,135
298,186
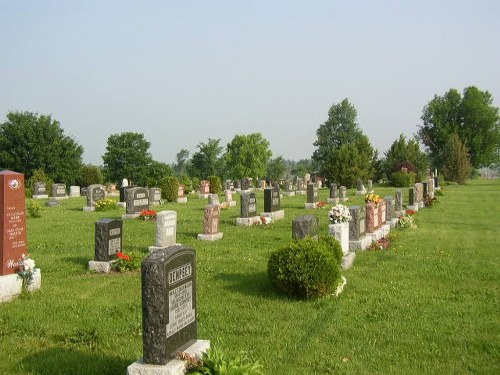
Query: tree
x,y
157,172
472,117
299,168
30,141
207,161
343,153
247,156
89,174
276,168
457,166
127,156
407,156
182,158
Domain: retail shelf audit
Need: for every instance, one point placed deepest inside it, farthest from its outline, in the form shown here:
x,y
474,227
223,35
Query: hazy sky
x,y
184,71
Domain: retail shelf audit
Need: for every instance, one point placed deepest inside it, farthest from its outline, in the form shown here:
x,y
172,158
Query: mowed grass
x,y
429,304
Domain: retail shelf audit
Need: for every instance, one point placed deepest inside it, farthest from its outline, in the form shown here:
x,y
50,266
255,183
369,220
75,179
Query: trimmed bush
x,y
187,183
195,183
306,268
403,179
215,184
169,188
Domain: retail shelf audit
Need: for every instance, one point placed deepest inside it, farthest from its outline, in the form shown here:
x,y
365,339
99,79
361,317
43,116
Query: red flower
x,y
410,212
122,256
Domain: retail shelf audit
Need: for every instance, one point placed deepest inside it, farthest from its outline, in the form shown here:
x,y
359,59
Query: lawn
x,y
429,304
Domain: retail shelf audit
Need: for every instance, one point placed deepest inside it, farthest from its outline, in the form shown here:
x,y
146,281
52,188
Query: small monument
x,y
334,195
357,229
137,200
312,196
166,230
94,193
228,195
74,191
399,208
204,189
108,242
211,223
343,194
13,245
155,196
181,194
248,211
360,188
40,191
168,312
272,204
59,191
305,226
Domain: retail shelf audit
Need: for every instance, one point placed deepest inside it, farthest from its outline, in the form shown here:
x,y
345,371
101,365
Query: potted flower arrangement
x,y
147,215
339,217
372,198
26,271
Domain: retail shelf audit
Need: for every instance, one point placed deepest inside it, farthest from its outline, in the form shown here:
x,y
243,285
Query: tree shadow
x,y
81,260
63,361
255,284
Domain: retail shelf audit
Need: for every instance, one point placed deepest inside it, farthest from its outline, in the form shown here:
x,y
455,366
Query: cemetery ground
x,y
428,304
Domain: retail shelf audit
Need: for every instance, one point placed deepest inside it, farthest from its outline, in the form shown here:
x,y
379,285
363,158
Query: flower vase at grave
x,y
340,232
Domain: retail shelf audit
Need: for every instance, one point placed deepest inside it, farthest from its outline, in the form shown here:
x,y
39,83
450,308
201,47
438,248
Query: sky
x,y
181,72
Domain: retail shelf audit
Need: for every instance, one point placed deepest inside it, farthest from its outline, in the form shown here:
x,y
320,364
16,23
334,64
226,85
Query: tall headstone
x,y
390,204
333,192
168,303
399,201
237,185
305,226
271,199
411,196
40,190
166,229
357,225
370,186
94,193
372,222
59,191
108,239
382,213
248,205
204,189
181,194
343,194
312,193
137,200
211,223
155,196
419,187
13,223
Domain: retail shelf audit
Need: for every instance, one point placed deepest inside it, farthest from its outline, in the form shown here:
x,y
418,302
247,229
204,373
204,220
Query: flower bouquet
x,y
26,270
147,215
339,214
373,198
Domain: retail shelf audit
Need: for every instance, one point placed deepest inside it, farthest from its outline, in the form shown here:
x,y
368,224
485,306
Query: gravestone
x,y
333,197
343,194
204,189
430,187
94,193
137,200
411,196
74,191
213,199
155,196
181,194
271,199
211,223
168,306
229,185
59,191
357,226
382,213
372,222
40,191
237,185
166,230
370,186
245,184
390,208
248,205
13,243
419,188
228,195
305,226
312,193
108,239
399,202
360,188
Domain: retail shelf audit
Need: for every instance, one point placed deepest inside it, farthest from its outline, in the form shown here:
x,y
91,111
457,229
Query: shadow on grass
x,y
255,284
82,261
72,362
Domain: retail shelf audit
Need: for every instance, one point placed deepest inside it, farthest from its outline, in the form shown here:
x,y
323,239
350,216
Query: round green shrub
x,y
215,184
195,183
169,188
403,179
188,184
306,268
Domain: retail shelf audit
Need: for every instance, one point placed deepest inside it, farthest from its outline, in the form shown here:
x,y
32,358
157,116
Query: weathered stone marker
x,y
305,226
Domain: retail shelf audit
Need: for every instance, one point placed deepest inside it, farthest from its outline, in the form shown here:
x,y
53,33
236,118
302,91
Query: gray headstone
x,y
390,207
370,185
213,199
94,193
237,184
360,186
399,200
312,193
58,190
166,228
108,239
419,188
137,200
357,225
343,192
333,191
305,226
40,188
271,199
411,196
168,303
155,195
248,205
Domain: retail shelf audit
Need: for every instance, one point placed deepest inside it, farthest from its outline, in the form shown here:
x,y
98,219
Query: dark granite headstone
x,y
425,190
411,196
390,207
58,190
357,227
137,200
271,199
399,200
436,182
248,205
237,184
245,184
168,303
333,191
108,239
229,185
305,226
312,193
40,188
94,193
13,242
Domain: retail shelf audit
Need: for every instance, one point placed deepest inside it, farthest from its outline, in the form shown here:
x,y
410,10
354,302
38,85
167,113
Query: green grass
x,y
429,304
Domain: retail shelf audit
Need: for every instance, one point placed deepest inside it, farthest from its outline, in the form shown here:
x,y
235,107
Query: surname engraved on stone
x,y
114,232
181,312
180,273
141,202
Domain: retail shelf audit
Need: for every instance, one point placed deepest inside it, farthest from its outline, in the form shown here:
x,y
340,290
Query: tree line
x,y
459,132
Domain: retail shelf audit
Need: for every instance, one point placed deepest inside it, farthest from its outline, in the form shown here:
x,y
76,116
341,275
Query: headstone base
x,y
344,199
203,196
174,367
247,221
122,204
210,237
301,192
348,260
99,266
289,193
231,203
40,196
413,208
333,200
275,215
393,223
88,208
130,216
309,206
74,195
182,200
360,192
400,213
361,244
152,249
61,198
376,234
11,285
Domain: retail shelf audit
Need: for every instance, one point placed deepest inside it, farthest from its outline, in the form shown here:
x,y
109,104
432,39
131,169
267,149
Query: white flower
x,y
29,264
